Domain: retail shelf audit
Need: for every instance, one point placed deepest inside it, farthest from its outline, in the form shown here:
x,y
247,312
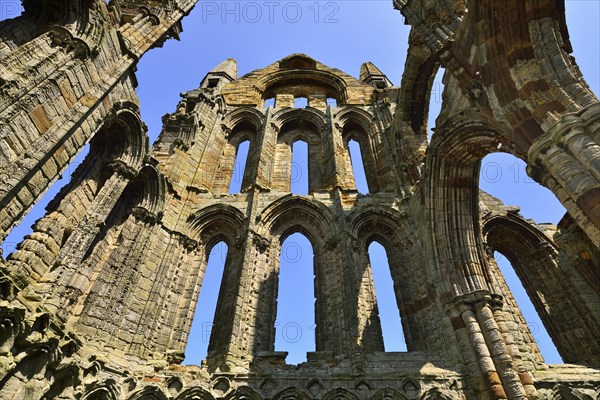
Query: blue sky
x,y
341,34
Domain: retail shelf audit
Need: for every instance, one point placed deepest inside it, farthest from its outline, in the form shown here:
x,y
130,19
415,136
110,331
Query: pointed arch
x,y
455,154
209,226
241,125
292,393
125,135
358,125
249,117
196,393
243,393
287,119
107,391
215,223
148,393
355,114
295,213
395,233
152,185
339,394
547,277
292,125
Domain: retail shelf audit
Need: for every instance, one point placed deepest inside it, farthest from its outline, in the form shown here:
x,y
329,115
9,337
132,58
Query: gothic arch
x,y
241,133
152,183
357,125
243,393
104,392
385,225
313,219
355,114
148,393
294,213
124,135
217,222
78,22
117,151
292,393
248,116
547,278
291,125
339,394
391,229
333,85
288,118
243,124
209,226
453,169
195,393
416,86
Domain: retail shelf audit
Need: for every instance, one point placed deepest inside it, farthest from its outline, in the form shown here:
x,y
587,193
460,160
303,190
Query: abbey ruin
x,y
97,303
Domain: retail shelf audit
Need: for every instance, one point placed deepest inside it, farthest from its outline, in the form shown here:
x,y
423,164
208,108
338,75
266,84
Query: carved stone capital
x,y
61,37
145,216
261,243
121,168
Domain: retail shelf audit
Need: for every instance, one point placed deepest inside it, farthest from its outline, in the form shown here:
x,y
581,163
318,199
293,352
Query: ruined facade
x,y
97,303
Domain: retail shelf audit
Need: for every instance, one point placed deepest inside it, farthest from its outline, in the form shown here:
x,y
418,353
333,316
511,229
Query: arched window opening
x,y
300,171
332,102
537,328
270,102
300,102
202,323
239,168
503,176
358,167
435,101
295,323
389,314
25,227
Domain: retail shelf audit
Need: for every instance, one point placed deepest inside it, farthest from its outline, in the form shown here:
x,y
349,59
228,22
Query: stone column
x,y
498,351
565,159
483,356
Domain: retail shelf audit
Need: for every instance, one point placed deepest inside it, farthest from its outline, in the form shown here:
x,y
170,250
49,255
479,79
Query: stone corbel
x,y
206,99
121,168
275,127
226,130
188,244
262,244
474,89
62,37
146,216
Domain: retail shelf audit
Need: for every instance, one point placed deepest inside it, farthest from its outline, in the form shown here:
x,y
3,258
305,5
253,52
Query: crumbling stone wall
x,y
97,303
